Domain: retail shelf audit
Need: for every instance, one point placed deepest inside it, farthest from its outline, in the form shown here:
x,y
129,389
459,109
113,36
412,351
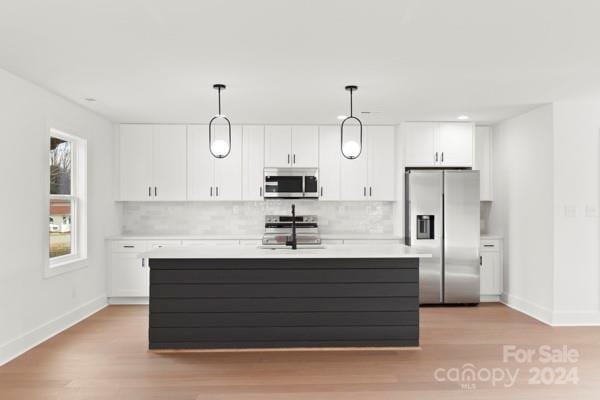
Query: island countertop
x,y
247,252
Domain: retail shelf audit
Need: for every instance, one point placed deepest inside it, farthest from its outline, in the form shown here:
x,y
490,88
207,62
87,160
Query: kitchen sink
x,y
284,247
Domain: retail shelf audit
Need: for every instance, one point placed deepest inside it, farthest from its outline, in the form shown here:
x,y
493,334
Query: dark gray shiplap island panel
x,y
283,303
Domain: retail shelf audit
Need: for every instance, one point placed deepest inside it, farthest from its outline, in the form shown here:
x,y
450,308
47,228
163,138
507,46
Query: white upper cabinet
x,y
455,144
200,170
430,144
381,163
278,146
228,170
420,143
287,146
135,162
329,162
483,161
354,176
371,176
253,146
210,178
305,146
152,162
169,164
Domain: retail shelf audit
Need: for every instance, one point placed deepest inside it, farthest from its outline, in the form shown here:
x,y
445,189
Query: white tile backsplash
x,y
224,218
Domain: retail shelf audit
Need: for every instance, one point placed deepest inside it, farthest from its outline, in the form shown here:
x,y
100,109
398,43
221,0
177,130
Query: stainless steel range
x,y
278,230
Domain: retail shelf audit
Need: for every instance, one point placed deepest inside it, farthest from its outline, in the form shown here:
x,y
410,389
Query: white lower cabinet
x,y
129,274
491,268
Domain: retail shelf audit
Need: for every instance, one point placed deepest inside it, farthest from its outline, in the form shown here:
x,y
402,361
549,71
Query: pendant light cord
x,y
219,89
351,102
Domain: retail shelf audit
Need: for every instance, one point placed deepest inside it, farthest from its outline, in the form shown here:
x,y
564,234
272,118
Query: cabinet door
x,y
135,162
419,144
278,146
354,175
253,159
455,144
200,164
129,275
329,162
169,166
490,273
483,161
382,163
305,146
228,170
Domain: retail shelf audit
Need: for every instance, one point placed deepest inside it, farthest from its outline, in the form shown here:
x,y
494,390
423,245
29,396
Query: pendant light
x,y
219,148
351,149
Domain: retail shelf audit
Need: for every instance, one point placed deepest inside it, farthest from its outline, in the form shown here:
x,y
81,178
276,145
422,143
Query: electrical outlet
x,y
570,210
591,211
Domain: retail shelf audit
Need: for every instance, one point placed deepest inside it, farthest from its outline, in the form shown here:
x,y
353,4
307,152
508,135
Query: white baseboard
x,y
128,300
489,298
28,340
576,318
526,307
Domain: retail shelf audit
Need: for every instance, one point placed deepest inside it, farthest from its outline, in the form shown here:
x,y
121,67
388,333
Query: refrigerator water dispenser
x,y
425,224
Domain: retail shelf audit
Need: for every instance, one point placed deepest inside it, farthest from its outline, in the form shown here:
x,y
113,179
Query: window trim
x,y
78,258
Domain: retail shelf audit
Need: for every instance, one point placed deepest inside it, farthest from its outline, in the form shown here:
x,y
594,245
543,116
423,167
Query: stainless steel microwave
x,y
291,183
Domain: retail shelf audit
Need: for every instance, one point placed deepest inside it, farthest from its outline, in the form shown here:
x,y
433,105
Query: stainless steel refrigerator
x,y
442,217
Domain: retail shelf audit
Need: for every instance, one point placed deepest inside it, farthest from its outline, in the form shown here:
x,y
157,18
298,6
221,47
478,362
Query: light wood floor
x,y
105,357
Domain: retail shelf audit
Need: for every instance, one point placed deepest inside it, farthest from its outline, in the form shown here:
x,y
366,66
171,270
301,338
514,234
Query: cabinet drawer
x,y
489,245
157,244
128,246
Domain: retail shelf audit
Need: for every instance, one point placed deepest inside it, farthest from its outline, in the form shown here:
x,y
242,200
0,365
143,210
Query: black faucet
x,y
294,241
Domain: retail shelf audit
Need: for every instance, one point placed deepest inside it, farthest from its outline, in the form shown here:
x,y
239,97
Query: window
x,y
67,202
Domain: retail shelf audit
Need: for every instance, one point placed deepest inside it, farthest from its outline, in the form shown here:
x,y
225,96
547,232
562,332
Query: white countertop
x,y
491,236
331,251
255,236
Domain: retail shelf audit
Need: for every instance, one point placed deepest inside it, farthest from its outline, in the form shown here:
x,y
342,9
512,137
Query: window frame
x,y
78,198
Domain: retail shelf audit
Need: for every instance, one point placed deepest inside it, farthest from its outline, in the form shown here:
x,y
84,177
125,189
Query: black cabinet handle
x,y
364,191
149,191
481,260
128,246
288,158
294,158
488,245
260,191
217,191
370,191
155,192
442,156
143,262
321,191
436,156
211,191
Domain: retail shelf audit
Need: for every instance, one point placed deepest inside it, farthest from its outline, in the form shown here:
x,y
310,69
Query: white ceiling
x,y
288,61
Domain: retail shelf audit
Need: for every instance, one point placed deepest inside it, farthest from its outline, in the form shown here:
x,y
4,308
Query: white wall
x,y
576,194
523,209
33,307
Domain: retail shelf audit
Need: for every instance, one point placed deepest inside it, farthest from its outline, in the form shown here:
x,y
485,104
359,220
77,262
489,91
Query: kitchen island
x,y
218,297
